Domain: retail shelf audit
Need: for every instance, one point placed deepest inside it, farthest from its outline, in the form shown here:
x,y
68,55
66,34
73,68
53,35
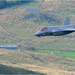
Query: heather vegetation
x,y
39,62
18,27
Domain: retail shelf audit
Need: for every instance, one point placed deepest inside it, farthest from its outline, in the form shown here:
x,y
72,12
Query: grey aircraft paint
x,y
57,30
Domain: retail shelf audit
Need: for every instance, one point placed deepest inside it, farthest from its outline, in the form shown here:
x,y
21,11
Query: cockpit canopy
x,y
44,29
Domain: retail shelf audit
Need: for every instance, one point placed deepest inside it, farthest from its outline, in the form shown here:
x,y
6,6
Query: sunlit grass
x,y
63,53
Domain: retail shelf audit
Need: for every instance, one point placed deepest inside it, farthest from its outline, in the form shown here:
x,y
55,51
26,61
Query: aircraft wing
x,y
62,30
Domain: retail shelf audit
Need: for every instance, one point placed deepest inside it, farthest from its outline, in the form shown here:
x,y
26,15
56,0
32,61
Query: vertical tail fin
x,y
67,21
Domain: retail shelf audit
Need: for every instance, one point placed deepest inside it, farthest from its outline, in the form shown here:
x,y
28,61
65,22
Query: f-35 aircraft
x,y
57,30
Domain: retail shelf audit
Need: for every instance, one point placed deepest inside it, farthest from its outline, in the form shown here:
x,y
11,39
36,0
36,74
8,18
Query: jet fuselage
x,y
55,30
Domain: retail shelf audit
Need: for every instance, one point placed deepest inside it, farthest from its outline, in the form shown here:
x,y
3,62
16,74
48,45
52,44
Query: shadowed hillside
x,y
11,70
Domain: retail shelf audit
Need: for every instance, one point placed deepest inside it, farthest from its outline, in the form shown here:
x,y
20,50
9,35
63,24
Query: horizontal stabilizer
x,y
67,21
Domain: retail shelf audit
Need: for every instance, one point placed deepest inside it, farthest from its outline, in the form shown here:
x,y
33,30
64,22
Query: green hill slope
x,y
22,25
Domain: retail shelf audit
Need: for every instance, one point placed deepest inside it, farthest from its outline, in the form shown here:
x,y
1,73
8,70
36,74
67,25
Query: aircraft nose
x,y
37,34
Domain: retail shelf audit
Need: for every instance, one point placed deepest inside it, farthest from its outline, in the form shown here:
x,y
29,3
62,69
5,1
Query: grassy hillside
x,y
38,62
18,27
22,25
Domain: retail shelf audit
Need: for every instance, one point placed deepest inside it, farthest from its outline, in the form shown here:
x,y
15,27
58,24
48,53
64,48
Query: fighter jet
x,y
57,30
